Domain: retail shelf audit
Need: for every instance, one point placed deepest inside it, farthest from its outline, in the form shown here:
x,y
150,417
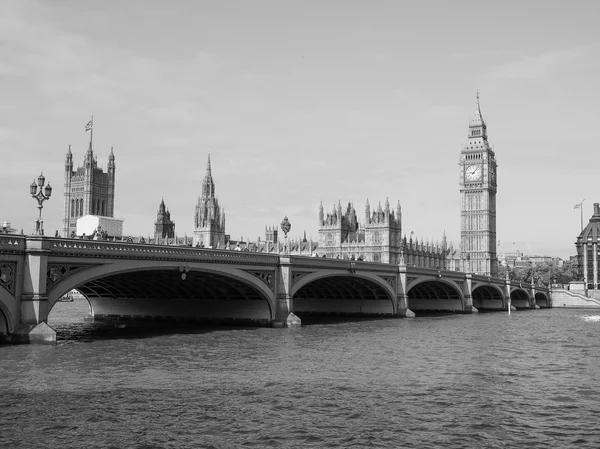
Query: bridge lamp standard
x,y
285,227
41,194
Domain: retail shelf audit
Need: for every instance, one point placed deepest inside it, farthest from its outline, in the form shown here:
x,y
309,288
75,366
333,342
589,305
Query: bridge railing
x,y
326,262
101,248
12,243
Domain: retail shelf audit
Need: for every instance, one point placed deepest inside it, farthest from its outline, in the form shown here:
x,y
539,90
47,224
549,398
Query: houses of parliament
x,y
376,237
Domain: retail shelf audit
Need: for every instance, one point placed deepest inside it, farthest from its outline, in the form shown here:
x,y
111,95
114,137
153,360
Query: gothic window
x,y
376,238
72,208
81,207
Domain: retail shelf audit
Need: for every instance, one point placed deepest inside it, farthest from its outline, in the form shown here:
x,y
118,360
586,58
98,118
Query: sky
x,y
299,102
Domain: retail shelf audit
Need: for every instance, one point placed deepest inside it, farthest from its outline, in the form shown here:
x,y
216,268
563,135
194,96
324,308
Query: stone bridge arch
x,y
7,302
331,292
542,299
173,290
434,294
519,298
488,296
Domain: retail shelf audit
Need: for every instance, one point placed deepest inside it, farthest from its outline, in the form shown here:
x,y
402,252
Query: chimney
x,y
596,208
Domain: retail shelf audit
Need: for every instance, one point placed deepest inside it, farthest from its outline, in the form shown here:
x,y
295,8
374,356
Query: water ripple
x,y
476,381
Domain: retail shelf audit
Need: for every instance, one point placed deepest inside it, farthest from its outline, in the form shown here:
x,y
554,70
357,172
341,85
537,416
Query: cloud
x,y
544,64
62,64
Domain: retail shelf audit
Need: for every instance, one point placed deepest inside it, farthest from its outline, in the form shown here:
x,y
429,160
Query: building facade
x,y
209,219
88,190
164,227
587,250
478,186
377,239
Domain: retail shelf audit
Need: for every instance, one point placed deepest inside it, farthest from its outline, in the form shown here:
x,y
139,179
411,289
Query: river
x,y
531,379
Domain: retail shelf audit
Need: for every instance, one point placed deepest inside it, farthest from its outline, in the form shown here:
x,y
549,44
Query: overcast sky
x,y
300,102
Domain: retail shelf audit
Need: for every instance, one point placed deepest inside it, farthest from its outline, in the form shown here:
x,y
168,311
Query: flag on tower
x,y
88,127
577,206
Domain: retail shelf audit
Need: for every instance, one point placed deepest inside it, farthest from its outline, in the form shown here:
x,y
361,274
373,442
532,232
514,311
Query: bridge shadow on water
x,y
312,320
118,330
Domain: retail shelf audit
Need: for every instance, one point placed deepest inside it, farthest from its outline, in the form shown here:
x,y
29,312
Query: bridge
x,y
144,281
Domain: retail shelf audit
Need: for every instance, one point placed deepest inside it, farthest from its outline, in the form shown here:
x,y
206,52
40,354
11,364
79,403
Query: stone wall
x,y
573,300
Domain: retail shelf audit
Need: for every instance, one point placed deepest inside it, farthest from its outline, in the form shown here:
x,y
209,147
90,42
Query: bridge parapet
x,y
322,263
122,250
12,244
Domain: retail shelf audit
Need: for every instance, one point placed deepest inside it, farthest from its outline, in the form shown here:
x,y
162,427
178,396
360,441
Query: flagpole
x,y
92,134
581,210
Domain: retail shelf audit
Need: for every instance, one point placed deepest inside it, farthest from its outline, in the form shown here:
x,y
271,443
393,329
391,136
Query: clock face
x,y
473,173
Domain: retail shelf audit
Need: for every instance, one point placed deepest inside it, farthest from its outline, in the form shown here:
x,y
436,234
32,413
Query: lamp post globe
x,y
41,194
285,227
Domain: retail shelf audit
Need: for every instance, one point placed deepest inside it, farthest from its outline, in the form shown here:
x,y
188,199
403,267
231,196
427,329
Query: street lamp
x,y
41,194
285,227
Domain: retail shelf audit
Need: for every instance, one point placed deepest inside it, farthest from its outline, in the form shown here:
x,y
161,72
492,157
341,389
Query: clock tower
x,y
478,185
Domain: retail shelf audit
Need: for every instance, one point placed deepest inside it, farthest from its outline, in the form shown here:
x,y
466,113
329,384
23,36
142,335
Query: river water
x,y
531,379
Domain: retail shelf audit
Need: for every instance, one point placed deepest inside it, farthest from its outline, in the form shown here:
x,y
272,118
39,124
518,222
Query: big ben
x,y
478,186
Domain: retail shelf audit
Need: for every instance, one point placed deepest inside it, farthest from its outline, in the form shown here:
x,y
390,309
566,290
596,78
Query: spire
x,y
111,158
208,186
387,204
477,127
69,158
321,214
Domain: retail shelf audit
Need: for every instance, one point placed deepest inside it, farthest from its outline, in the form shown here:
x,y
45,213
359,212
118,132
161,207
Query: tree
x,y
544,273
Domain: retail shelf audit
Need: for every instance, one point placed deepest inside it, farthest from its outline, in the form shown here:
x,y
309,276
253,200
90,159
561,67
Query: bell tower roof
x,y
477,119
478,139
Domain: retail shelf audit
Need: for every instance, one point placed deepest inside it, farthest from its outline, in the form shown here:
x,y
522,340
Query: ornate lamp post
x,y
285,227
41,194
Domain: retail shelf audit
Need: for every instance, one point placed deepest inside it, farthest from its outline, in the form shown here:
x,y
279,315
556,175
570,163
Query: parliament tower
x,y
88,190
209,220
164,227
478,185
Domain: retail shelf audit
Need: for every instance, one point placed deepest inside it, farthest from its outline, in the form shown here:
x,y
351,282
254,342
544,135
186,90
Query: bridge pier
x,y
33,326
402,309
284,302
467,293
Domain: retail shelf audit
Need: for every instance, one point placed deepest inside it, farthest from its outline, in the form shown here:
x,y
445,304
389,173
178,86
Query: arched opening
x,y
3,325
160,294
434,297
343,296
519,299
69,314
487,297
541,299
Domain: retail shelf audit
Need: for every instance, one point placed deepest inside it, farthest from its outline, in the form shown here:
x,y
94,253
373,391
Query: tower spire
x,y
477,127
